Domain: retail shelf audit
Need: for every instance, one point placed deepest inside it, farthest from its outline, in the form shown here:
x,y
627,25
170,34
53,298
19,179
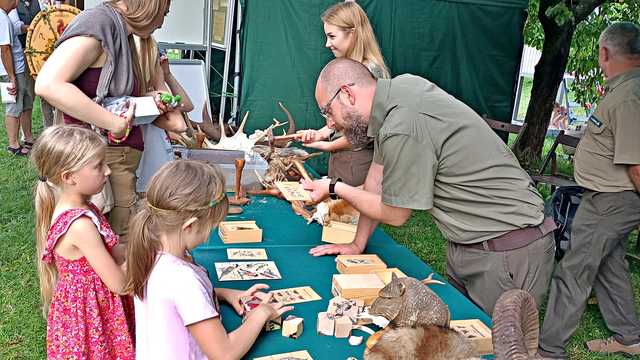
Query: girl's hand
x,y
272,310
123,122
162,107
233,296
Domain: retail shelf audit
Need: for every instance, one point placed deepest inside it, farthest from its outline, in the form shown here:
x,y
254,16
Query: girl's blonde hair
x,y
59,149
180,190
349,16
147,52
139,15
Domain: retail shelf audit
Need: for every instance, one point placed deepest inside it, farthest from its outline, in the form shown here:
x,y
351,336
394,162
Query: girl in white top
x,y
177,313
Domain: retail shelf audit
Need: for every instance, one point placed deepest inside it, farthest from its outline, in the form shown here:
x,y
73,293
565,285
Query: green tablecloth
x,y
287,240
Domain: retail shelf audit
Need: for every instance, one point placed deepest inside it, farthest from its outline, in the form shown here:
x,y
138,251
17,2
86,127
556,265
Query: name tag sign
x,y
595,121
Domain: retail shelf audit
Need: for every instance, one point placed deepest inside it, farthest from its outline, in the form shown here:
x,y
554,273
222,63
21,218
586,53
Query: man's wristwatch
x,y
332,188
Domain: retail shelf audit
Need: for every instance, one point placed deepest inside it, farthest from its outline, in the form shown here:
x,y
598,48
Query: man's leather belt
x,y
515,239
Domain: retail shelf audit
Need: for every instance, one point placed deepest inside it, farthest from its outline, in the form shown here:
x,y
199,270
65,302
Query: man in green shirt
x,y
607,165
432,152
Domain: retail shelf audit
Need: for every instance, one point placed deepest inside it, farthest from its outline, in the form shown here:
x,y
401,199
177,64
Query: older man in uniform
x,y
607,165
432,152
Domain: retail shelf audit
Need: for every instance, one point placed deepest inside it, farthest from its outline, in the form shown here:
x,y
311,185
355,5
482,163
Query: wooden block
x,y
356,286
325,324
385,275
274,324
235,232
343,327
339,233
359,264
477,332
339,306
292,327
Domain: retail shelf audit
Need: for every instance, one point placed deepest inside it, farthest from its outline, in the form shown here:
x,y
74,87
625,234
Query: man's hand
x,y
319,189
13,89
309,136
336,249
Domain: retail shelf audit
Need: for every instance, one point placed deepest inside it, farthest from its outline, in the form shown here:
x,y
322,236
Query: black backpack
x,y
562,206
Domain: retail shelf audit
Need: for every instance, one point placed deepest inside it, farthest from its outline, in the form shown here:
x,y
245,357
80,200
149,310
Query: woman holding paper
x,y
95,58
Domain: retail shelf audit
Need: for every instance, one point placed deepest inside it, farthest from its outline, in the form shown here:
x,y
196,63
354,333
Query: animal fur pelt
x,y
422,343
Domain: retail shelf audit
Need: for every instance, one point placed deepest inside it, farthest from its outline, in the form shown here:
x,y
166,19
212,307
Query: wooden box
x,y
234,232
359,264
339,233
385,274
363,287
477,332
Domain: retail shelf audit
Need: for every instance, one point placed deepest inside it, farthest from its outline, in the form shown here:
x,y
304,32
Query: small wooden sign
x,y
246,254
292,191
295,295
297,355
359,264
476,332
256,270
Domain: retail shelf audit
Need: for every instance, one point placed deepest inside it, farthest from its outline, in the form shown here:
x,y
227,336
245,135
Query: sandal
x,y
27,144
19,151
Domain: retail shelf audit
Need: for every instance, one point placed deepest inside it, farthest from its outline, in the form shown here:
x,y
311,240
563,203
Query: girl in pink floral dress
x,y
80,279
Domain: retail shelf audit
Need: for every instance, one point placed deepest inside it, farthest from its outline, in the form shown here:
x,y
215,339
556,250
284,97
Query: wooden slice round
x,y
44,31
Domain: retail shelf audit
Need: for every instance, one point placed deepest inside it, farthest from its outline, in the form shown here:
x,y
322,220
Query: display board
x,y
191,74
185,24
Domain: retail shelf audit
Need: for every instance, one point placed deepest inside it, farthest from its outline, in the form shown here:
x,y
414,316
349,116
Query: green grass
x,y
22,328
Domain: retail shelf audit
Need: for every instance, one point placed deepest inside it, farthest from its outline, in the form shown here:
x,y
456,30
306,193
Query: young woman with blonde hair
x,y
80,279
349,34
177,312
96,57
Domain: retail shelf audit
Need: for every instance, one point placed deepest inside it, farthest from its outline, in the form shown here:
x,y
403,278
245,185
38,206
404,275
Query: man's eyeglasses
x,y
325,109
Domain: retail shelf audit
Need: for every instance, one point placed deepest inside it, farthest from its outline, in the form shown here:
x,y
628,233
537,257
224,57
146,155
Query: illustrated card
x,y
296,355
293,191
254,270
246,254
295,295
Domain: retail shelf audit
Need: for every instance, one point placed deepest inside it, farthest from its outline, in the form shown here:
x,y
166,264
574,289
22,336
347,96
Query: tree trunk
x,y
546,80
548,75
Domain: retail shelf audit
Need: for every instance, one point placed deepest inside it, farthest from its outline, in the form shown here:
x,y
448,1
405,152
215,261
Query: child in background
x,y
177,314
80,278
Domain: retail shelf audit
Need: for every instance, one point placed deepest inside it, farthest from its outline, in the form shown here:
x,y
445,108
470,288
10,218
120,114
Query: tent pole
x,y
236,72
207,36
227,55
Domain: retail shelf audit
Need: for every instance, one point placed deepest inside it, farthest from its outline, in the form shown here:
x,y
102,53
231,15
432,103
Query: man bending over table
x,y
434,153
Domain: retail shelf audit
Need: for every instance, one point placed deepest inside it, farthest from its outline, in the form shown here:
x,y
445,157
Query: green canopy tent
x,y
470,48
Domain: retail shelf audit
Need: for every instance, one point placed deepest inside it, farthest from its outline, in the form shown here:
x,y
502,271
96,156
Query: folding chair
x,y
554,179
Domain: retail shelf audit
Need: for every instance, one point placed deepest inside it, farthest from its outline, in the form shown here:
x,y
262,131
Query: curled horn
x,y
515,326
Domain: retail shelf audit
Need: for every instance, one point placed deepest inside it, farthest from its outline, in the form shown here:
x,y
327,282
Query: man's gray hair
x,y
341,71
622,38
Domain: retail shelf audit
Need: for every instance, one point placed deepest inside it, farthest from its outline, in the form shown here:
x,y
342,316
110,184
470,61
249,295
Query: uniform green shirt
x,y
439,155
612,140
